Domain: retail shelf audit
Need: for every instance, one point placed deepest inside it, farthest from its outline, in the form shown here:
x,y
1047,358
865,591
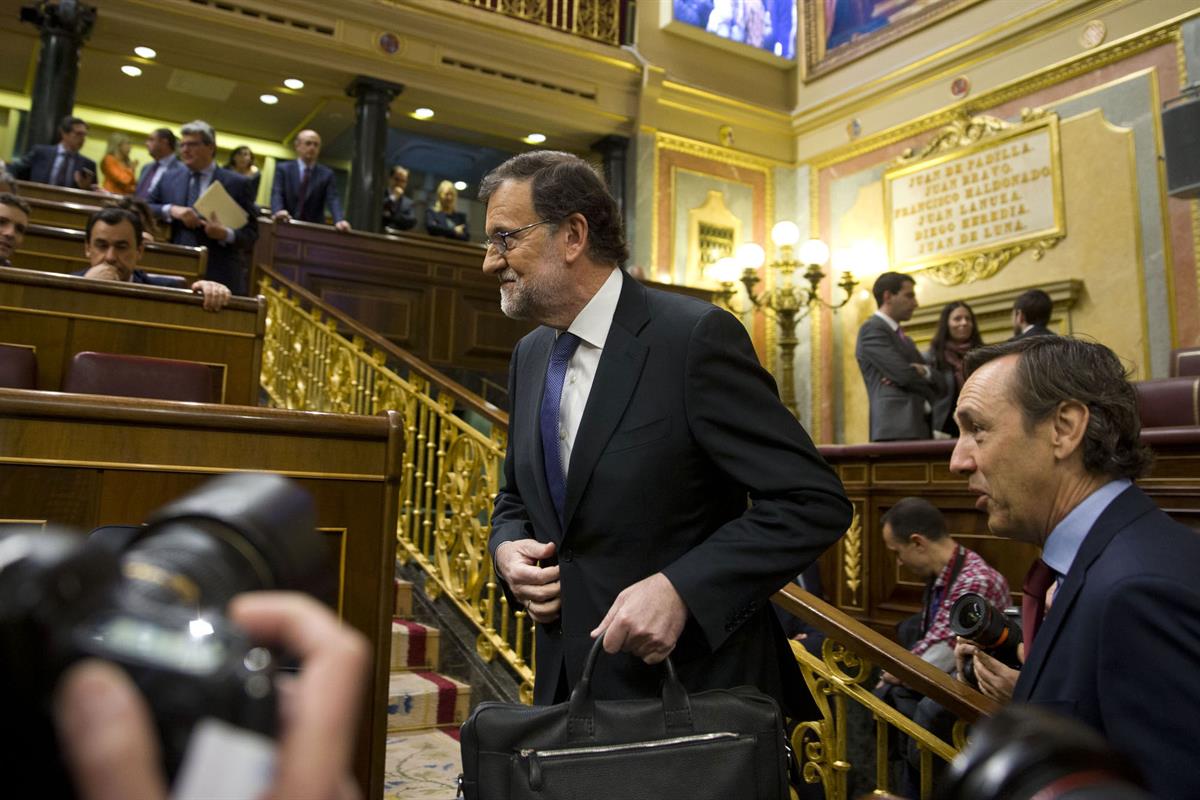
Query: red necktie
x,y
900,332
1033,604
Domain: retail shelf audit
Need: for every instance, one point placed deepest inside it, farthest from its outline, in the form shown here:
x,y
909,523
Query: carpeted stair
x,y
425,710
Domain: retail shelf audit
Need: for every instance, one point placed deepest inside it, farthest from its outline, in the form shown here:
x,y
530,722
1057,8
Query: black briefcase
x,y
715,744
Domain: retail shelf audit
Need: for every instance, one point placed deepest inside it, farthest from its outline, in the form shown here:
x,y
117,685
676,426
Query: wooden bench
x,y
52,249
86,461
73,216
61,315
62,194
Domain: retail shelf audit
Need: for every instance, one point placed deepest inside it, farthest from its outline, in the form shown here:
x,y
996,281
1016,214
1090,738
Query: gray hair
x,y
202,129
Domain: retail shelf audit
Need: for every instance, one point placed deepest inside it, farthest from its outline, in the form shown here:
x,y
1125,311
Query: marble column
x,y
368,179
614,150
65,26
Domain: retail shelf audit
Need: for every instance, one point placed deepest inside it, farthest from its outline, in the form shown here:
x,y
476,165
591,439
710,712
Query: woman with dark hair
x,y
241,161
957,334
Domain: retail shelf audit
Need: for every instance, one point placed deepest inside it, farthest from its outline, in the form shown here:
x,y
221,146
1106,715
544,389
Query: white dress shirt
x,y
591,326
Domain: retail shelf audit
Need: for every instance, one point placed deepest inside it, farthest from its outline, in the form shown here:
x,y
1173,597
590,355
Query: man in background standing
x,y
174,197
60,164
900,386
1031,314
160,144
303,189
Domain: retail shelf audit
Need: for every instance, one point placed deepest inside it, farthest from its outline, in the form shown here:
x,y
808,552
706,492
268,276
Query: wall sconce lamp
x,y
788,302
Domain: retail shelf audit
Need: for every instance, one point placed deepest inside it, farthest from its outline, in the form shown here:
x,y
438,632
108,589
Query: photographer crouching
x,y
148,656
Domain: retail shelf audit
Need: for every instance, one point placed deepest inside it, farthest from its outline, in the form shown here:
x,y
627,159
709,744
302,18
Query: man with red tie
x,y
1050,443
900,386
304,189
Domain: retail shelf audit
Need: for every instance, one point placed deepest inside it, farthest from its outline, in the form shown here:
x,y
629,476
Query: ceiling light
x,y
131,70
269,99
422,113
294,83
460,186
535,138
145,52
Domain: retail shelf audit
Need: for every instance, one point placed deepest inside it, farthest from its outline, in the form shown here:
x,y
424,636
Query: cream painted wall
x,y
1102,249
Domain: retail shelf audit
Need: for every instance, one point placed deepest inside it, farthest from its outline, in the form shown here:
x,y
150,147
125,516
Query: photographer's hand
x,y
108,738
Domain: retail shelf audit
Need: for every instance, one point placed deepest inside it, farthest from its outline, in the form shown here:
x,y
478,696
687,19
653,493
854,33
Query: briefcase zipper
x,y
534,756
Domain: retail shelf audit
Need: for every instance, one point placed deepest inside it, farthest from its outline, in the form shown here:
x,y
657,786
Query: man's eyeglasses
x,y
499,239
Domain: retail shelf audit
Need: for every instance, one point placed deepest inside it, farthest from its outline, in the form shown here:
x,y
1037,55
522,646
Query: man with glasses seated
x,y
656,492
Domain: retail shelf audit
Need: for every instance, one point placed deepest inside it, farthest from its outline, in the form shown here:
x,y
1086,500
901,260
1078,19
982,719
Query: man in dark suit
x,y
178,191
900,385
303,189
60,164
656,490
1031,314
398,212
161,145
1050,442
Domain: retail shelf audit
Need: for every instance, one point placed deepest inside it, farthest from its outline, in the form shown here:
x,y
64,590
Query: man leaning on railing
x,y
1111,617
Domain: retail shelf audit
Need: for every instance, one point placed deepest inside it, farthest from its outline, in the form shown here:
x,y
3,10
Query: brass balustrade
x,y
849,654
451,470
600,20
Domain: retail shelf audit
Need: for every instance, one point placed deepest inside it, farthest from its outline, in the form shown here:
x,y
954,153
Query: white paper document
x,y
216,204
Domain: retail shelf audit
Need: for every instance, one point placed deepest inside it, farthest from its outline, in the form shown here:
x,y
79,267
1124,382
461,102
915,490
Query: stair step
x,y
402,598
421,765
414,646
426,700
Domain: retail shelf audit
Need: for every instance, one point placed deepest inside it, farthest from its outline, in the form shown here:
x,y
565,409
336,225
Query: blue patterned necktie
x,y
193,189
556,371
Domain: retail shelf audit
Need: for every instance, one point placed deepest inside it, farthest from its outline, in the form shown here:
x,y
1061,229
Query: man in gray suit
x,y
900,385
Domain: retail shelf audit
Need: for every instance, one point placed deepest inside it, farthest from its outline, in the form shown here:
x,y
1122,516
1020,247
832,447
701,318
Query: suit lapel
x,y
533,380
616,378
1121,512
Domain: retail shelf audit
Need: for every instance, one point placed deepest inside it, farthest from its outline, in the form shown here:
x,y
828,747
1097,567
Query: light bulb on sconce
x,y
787,302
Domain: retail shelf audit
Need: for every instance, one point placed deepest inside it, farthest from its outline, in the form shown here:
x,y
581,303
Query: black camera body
x,y
973,617
151,600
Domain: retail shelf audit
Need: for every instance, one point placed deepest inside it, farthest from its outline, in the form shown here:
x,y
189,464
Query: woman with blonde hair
x,y
444,219
120,173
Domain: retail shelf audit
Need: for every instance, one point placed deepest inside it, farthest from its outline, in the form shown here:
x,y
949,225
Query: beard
x,y
519,298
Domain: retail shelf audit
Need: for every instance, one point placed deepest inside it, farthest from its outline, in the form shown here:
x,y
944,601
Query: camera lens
x,y
235,534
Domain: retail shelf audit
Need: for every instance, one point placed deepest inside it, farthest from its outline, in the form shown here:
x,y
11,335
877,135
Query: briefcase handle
x,y
677,708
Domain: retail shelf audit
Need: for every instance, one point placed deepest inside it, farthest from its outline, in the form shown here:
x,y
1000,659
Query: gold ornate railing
x,y
317,359
602,20
843,674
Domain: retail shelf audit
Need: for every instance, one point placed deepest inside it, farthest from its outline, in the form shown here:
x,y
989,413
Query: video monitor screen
x,y
769,25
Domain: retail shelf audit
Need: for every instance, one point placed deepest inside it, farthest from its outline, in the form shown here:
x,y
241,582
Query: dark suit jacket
x,y
682,427
1036,330
439,223
38,165
143,188
398,213
225,261
1121,644
897,410
321,193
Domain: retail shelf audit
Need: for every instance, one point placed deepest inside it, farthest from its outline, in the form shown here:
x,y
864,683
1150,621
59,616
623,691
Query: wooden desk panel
x,y
60,214
89,461
51,249
61,315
